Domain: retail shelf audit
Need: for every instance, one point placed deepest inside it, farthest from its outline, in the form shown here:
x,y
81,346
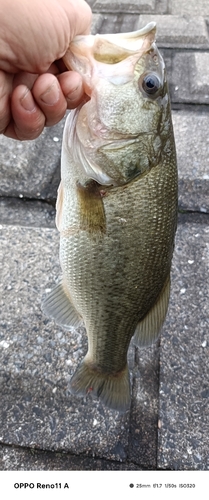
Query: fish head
x,y
120,129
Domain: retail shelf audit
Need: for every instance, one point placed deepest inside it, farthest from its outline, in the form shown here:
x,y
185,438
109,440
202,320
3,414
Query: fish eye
x,y
151,84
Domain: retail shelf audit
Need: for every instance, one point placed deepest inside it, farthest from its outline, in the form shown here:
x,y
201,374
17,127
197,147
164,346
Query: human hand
x,y
35,88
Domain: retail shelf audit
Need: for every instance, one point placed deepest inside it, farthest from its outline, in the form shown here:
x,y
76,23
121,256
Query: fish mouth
x,y
104,55
109,48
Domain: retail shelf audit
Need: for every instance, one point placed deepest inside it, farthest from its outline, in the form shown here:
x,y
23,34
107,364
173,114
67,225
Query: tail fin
x,y
113,390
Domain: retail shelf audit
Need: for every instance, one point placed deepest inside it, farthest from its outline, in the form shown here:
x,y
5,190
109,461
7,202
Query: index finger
x,y
5,91
79,16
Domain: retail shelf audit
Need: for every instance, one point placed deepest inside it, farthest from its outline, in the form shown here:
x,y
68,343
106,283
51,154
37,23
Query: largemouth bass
x,y
116,208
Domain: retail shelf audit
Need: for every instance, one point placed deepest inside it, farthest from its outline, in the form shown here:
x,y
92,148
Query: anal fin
x,y
147,330
57,305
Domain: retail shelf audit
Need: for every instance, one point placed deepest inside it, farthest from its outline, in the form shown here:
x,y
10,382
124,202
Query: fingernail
x,y
51,96
28,102
75,93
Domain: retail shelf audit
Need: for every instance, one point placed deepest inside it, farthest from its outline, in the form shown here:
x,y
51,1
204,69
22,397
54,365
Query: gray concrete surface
x,y
42,427
32,167
183,437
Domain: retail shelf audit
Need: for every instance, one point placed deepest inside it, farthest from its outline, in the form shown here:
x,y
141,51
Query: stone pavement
x,y
42,427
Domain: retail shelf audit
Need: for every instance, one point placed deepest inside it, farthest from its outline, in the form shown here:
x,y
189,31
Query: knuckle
x,y
29,131
28,135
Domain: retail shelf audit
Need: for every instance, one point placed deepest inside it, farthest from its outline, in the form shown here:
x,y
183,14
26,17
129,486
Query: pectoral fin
x,y
92,214
57,305
148,329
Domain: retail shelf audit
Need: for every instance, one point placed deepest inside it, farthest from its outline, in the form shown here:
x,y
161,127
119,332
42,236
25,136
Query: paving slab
x,y
25,212
143,437
134,6
199,75
183,437
31,168
189,78
192,145
118,22
97,21
193,8
174,32
178,31
16,458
